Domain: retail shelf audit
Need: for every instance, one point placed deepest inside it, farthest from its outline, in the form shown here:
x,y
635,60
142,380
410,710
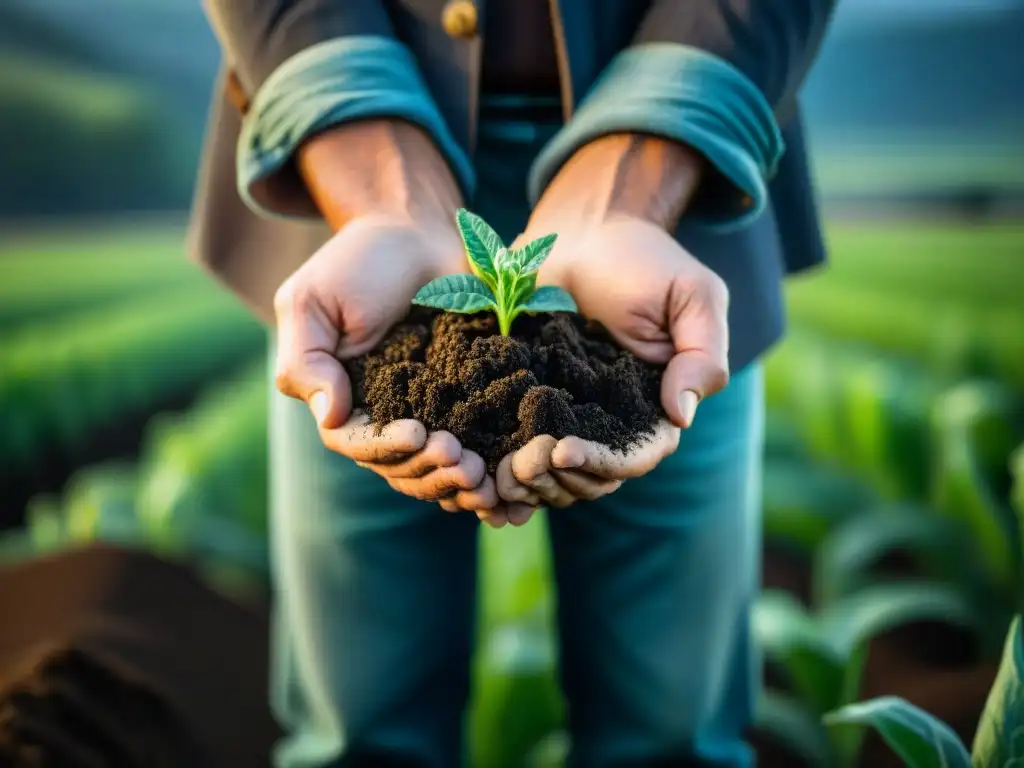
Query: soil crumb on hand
x,y
557,375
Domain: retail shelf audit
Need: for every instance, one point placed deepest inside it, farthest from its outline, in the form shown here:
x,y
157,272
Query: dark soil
x,y
557,375
115,658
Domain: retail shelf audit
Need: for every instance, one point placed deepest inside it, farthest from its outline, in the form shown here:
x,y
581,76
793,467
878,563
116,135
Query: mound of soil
x,y
557,375
117,658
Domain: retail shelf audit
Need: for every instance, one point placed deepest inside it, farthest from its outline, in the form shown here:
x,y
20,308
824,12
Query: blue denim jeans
x,y
376,592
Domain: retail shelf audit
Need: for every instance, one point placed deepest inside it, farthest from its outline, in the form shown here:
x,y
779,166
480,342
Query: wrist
x,y
625,174
379,168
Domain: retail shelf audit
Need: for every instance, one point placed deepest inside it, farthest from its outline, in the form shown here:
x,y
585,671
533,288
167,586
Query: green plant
x,y
804,501
516,700
64,382
920,740
1017,470
822,656
975,427
924,741
504,281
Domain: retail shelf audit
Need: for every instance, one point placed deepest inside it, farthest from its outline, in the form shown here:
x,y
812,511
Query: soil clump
x,y
557,375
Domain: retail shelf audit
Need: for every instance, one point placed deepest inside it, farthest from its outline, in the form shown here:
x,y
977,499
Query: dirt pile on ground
x,y
556,374
116,658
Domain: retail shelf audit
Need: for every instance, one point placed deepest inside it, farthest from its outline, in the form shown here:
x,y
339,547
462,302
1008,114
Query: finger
x,y
449,505
359,439
700,336
484,496
440,450
306,367
519,514
511,489
530,465
600,460
467,475
583,485
495,518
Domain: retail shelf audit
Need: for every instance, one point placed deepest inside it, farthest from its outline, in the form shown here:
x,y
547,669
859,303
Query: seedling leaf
x,y
920,739
533,254
482,246
549,298
503,281
456,293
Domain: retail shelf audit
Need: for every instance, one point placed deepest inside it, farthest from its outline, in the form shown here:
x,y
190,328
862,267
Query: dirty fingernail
x,y
319,405
688,406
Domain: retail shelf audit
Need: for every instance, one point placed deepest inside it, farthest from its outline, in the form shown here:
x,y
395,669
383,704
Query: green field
x,y
895,409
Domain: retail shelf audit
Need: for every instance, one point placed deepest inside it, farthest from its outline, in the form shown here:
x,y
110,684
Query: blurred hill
x,y
907,99
164,45
920,102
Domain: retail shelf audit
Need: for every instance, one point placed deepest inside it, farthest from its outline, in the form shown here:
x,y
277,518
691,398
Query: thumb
x,y
700,365
306,367
690,377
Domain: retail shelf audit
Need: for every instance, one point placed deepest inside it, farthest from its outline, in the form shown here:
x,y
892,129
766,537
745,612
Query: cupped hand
x,y
658,302
557,473
340,304
656,299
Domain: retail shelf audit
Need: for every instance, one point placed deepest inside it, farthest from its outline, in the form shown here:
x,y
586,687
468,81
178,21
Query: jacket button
x,y
459,19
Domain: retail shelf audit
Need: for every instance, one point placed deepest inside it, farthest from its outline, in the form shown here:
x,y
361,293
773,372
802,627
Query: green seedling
x,y
504,280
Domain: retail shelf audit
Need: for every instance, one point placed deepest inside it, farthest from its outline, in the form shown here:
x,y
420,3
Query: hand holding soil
x,y
558,473
340,304
654,298
667,309
552,407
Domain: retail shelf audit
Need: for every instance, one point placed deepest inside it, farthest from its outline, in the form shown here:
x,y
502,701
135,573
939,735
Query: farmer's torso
x,y
551,51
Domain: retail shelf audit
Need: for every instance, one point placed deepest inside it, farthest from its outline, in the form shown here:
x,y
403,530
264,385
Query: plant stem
x,y
504,322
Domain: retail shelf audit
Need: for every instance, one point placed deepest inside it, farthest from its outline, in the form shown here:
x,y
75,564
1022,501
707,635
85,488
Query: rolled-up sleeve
x,y
712,74
331,83
305,66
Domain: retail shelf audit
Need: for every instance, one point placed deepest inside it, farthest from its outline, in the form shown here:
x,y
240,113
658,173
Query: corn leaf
x,y
847,558
803,501
793,639
920,739
874,610
1017,469
517,701
1000,738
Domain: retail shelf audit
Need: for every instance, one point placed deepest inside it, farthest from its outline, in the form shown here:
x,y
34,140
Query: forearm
x,y
624,174
388,167
717,75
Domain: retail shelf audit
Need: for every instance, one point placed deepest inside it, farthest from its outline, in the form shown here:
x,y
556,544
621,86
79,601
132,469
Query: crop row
x,y
64,384
62,274
197,491
910,435
956,265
